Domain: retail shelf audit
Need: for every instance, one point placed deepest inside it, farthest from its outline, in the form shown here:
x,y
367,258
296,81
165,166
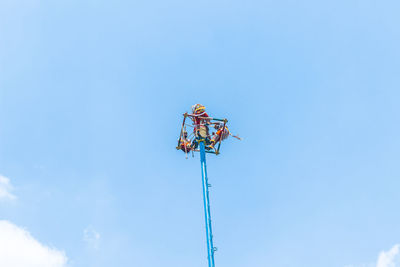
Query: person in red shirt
x,y
199,114
200,121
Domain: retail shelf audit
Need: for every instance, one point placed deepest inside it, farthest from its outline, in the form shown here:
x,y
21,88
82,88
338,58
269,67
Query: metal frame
x,y
210,119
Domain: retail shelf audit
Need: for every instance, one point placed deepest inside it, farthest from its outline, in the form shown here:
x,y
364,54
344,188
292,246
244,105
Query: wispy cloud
x,y
19,249
5,189
390,258
91,237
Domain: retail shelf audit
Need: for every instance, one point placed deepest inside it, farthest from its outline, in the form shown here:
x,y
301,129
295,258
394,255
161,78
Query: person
x,y
199,113
221,134
184,143
199,117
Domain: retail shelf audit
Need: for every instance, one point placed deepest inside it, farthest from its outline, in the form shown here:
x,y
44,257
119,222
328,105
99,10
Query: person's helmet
x,y
198,108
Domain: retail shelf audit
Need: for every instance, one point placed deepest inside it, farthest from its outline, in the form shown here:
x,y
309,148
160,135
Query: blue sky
x,y
91,97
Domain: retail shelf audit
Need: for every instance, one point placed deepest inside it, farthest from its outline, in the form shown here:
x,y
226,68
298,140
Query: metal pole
x,y
210,246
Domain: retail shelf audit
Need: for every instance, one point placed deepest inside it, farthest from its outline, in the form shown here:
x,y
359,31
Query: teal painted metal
x,y
215,119
207,212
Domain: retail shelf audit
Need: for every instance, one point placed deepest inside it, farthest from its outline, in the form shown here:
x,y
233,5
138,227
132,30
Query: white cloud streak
x,y
5,189
91,237
19,249
389,258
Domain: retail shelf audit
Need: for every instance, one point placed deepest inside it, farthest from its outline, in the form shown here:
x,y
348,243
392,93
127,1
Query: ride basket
x,y
211,131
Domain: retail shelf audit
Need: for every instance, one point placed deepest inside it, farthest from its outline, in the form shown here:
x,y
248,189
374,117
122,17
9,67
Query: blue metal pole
x,y
210,246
